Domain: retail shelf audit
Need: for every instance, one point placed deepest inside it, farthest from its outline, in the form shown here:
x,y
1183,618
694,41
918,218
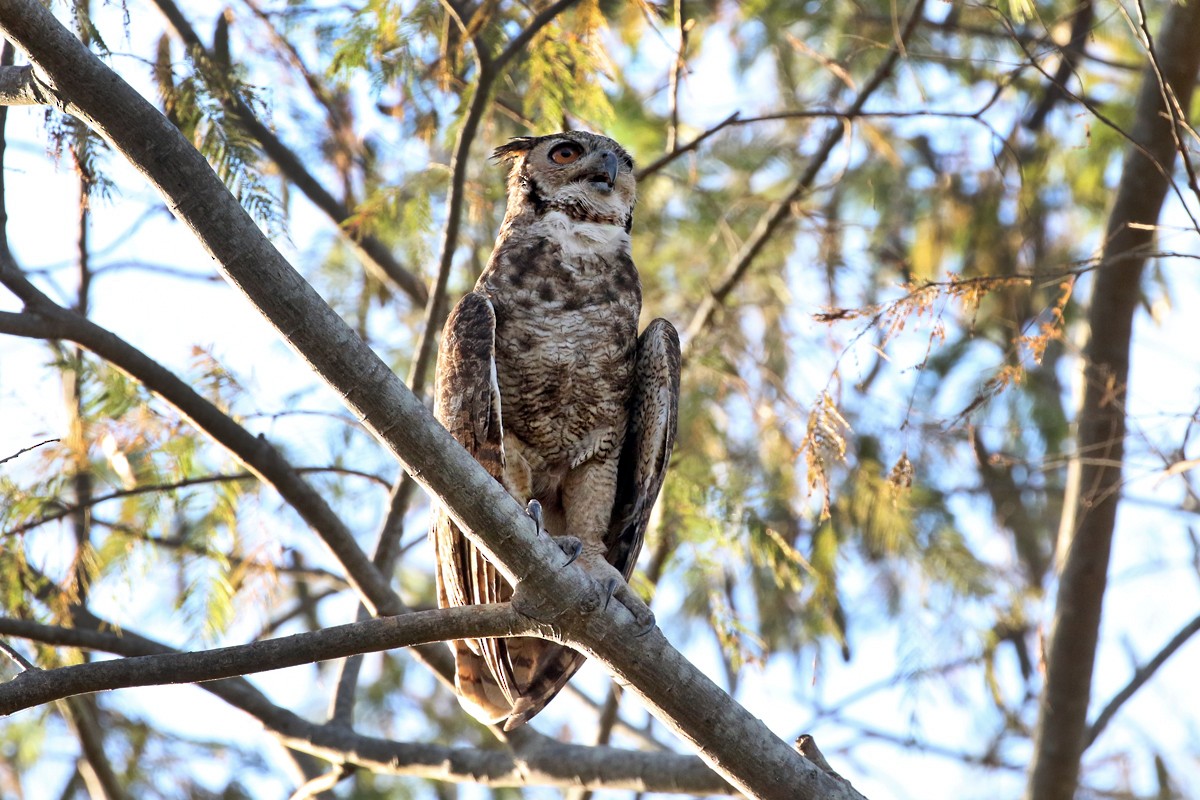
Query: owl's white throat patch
x,y
576,238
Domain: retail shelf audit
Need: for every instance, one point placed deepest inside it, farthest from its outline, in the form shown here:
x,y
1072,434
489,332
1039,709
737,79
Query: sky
x,y
1154,588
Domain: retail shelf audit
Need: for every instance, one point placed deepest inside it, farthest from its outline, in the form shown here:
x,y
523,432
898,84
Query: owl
x,y
543,378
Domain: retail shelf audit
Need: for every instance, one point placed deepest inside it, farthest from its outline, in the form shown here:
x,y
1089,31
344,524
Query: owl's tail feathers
x,y
542,669
478,690
536,669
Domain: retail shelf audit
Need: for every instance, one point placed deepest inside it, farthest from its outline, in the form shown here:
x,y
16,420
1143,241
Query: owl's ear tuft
x,y
516,147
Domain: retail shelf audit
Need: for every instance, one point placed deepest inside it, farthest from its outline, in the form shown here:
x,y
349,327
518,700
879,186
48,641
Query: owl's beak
x,y
605,176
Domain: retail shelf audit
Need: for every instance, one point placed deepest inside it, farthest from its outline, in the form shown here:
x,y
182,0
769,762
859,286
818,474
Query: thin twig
x,y
376,256
540,20
782,210
1143,674
1137,146
671,155
148,488
83,713
24,450
677,66
1169,98
322,783
25,664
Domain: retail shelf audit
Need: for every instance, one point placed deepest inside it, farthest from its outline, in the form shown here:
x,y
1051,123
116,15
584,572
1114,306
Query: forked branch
x,y
732,741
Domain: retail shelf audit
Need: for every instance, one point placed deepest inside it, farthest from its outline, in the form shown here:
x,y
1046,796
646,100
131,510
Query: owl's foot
x,y
533,510
571,546
626,596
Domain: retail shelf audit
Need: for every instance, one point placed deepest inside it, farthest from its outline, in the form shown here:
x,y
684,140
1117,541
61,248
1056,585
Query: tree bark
x,y
1090,510
529,761
732,741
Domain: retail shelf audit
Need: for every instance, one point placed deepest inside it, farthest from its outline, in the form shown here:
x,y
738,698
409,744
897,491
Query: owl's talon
x,y
571,546
610,590
533,510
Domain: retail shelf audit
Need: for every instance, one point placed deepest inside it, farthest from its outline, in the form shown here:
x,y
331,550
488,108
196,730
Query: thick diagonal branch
x,y
731,740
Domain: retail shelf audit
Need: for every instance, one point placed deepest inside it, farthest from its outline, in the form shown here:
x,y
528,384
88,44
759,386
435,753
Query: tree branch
x,y
1090,506
731,740
34,688
67,509
82,714
375,255
782,210
535,761
1143,674
674,153
539,21
30,448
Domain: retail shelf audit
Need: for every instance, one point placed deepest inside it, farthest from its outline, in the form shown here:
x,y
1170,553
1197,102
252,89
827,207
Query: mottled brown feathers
x,y
542,376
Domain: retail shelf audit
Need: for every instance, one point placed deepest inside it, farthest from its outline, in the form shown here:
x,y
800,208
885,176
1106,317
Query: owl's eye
x,y
565,153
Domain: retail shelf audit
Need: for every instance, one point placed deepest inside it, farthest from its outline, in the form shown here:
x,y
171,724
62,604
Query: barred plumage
x,y
542,377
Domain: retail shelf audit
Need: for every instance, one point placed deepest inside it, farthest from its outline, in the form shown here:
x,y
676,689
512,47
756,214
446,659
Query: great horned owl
x,y
542,377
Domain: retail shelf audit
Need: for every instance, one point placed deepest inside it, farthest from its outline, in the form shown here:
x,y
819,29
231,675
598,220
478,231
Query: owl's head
x,y
586,176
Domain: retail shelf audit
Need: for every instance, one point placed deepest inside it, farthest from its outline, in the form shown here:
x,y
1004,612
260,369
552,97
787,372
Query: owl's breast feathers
x,y
567,300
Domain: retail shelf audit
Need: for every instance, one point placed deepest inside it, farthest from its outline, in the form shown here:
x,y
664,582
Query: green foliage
x,y
205,104
874,423
565,67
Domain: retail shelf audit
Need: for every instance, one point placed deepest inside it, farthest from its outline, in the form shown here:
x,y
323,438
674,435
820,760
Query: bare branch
x,y
535,761
1075,49
782,210
149,488
375,255
1090,506
1143,674
677,67
21,661
322,783
540,20
82,713
34,688
1132,137
31,447
671,155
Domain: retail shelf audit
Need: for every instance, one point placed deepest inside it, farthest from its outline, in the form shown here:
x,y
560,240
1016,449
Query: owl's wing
x,y
467,402
654,415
